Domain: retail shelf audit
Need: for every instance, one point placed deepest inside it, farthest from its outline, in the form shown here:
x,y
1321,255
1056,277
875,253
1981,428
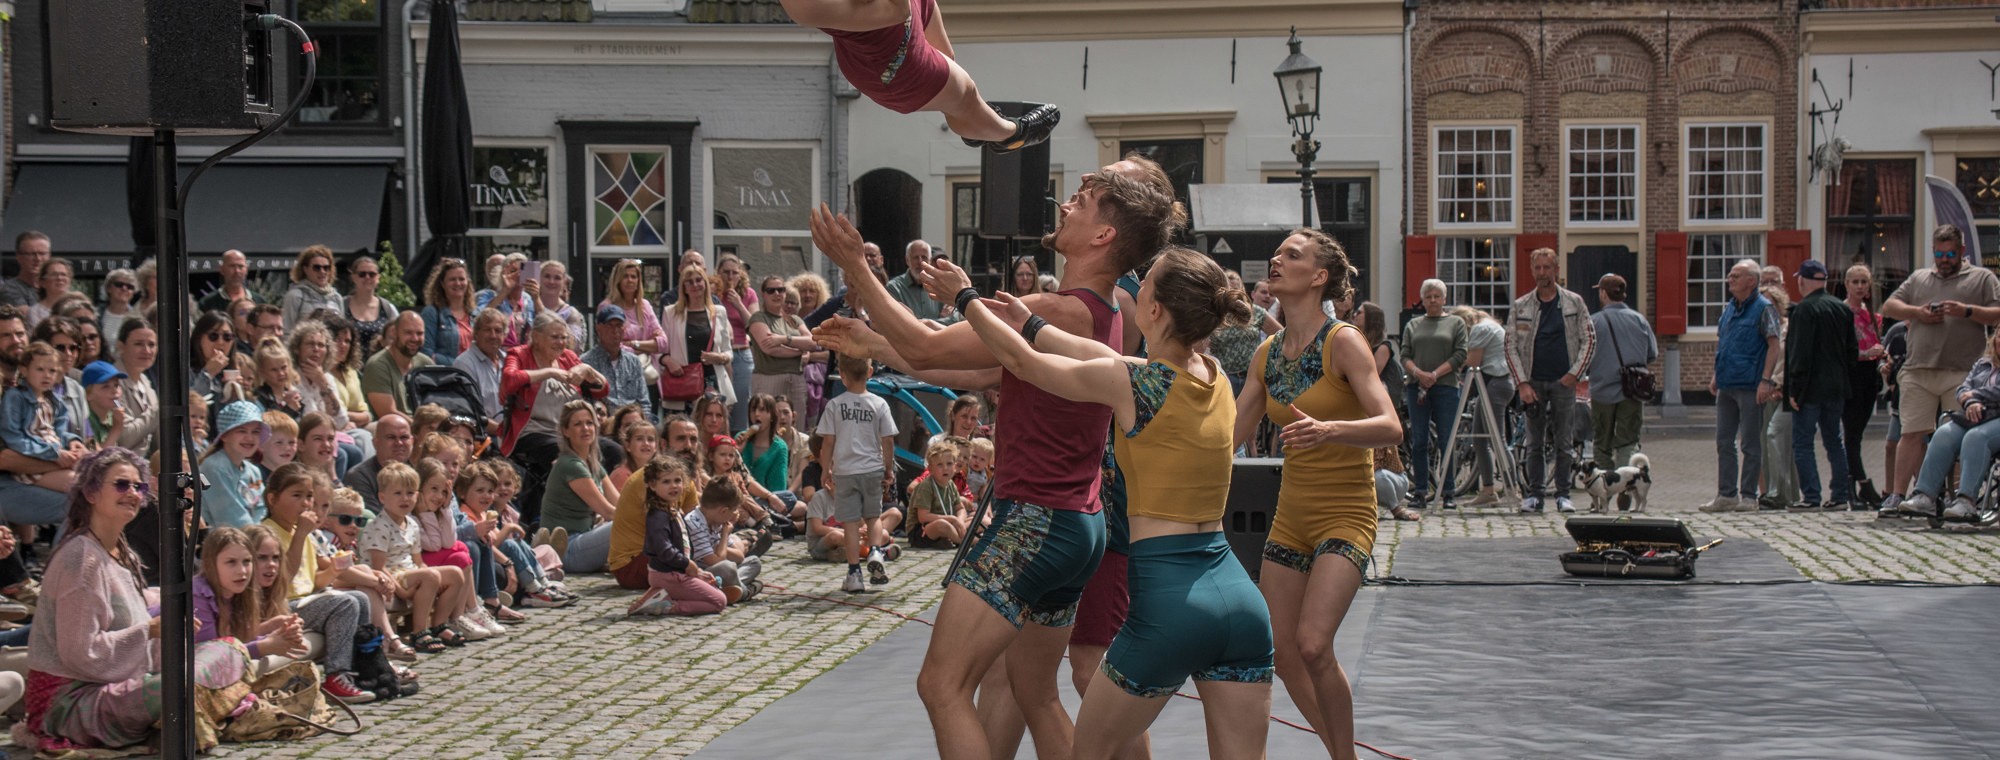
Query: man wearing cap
x,y
1947,308
624,369
106,419
1819,349
1615,419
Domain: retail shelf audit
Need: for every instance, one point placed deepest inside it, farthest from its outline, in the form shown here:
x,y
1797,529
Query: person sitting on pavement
x,y
234,494
676,585
715,549
36,423
939,516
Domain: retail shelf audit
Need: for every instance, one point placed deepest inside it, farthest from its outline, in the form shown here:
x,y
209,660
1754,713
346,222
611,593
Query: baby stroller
x,y
456,391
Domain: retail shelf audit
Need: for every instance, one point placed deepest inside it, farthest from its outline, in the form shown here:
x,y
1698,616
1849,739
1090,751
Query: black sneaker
x,y
1769,504
1032,128
1804,506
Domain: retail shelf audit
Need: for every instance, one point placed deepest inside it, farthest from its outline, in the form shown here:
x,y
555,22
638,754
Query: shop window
x,y
1478,272
1603,176
1979,180
510,200
1725,172
348,88
1709,258
1475,176
1871,219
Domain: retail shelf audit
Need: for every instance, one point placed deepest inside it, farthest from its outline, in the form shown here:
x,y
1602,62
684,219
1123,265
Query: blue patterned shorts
x,y
1300,561
1032,563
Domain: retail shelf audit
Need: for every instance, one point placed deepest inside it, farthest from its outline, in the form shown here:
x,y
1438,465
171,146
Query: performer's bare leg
x,y
1306,611
965,112
1238,716
1115,719
1084,660
998,712
951,674
1032,664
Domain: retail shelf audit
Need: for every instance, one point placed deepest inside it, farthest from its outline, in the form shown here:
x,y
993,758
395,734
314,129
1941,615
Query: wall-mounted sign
x,y
762,188
510,188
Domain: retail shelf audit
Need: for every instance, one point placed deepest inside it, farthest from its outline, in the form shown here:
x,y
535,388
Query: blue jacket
x,y
1741,343
18,415
440,335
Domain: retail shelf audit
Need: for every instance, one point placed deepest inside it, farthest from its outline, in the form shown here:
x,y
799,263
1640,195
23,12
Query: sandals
x,y
503,614
427,642
444,633
399,650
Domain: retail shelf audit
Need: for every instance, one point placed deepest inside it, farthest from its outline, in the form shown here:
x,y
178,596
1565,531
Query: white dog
x,y
1627,485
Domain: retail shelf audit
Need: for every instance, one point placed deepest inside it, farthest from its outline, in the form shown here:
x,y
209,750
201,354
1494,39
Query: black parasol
x,y
445,144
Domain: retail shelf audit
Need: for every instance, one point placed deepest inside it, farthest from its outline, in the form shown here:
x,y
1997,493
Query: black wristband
x,y
965,298
1034,325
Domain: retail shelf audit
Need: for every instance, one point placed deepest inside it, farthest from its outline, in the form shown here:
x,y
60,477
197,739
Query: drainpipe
x,y
412,179
1409,141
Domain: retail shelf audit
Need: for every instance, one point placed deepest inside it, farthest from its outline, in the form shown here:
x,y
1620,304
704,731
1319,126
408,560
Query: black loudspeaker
x,y
130,67
1253,504
1013,189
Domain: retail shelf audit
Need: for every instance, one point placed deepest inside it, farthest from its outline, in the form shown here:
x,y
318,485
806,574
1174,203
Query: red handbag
x,y
690,384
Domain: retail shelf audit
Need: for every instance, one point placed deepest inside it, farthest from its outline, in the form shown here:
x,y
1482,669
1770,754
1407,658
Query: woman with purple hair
x,y
93,675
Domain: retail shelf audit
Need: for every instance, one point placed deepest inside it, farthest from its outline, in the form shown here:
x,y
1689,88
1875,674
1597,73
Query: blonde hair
x,y
805,281
691,271
617,280
345,499
281,423
398,475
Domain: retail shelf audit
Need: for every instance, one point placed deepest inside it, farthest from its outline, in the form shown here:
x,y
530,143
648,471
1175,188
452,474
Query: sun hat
x,y
239,413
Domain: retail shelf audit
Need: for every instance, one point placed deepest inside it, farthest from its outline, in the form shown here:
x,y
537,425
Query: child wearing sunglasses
x,y
340,528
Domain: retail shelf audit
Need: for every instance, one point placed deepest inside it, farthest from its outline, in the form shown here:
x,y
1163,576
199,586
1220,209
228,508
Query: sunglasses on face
x,y
359,521
368,274
123,285
221,336
320,267
774,291
127,486
65,347
1944,254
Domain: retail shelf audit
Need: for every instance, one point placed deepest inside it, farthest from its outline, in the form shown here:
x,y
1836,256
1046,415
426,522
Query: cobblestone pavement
x,y
587,682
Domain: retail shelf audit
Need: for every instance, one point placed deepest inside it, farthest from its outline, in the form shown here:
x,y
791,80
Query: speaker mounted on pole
x,y
133,67
1013,194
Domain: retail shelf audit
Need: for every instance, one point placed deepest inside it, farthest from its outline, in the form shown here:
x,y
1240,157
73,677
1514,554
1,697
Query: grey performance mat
x,y
867,709
1535,559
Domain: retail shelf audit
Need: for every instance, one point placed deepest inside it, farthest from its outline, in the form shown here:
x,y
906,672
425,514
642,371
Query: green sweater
x,y
1430,341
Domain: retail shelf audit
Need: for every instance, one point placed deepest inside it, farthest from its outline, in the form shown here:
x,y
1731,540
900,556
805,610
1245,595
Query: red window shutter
x,y
1670,286
1420,263
1524,280
1789,249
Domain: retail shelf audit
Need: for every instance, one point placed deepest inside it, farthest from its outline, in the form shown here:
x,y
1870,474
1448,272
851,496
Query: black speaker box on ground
x,y
1253,504
1013,191
129,67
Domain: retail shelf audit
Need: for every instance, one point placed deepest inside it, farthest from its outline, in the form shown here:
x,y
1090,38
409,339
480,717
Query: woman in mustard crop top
x,y
1194,611
1316,379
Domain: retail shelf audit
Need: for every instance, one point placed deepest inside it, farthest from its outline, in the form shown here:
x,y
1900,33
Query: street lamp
x,y
1298,85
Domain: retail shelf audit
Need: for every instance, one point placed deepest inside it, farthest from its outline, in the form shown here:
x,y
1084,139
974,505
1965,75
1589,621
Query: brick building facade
x,y
1649,139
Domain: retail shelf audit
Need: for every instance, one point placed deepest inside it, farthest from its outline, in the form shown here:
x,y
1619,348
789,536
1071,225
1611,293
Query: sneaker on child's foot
x,y
853,583
641,606
878,571
341,685
544,599
1531,505
468,630
482,619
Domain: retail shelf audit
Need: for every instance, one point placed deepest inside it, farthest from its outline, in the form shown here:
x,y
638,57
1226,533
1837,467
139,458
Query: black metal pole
x,y
177,741
1307,150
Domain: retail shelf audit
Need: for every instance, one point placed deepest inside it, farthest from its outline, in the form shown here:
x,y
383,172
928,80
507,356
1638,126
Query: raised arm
x,y
955,347
1103,380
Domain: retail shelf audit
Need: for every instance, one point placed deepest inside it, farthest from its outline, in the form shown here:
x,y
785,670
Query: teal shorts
x,y
1195,614
1032,563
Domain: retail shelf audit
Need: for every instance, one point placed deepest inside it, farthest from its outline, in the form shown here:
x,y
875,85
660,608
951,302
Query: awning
x,y
254,208
1244,208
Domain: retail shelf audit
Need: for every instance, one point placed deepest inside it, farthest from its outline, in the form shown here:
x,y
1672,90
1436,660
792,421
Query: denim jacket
x,y
17,415
1983,382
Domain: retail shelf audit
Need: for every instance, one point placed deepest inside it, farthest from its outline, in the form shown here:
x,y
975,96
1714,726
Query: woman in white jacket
x,y
697,338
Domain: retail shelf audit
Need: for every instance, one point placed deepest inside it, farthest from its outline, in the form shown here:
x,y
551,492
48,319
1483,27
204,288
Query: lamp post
x,y
1298,85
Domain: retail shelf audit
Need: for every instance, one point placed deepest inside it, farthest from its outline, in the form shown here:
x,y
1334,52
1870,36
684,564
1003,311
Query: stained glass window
x,y
629,198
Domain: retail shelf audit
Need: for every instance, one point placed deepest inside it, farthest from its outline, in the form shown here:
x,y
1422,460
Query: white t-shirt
x,y
859,422
1489,335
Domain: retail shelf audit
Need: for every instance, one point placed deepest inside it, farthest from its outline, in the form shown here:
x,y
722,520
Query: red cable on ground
x,y
770,590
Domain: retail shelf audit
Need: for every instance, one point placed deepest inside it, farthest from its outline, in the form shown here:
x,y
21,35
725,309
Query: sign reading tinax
x,y
509,188
762,188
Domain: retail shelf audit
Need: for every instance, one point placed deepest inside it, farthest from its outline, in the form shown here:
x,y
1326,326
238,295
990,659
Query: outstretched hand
x,y
1306,432
850,337
942,279
1009,309
837,238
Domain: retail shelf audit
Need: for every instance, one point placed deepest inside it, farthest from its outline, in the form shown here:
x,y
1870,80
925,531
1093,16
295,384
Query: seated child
x,y
234,495
979,466
939,514
897,53
107,413
392,543
477,487
443,550
826,537
283,445
713,547
427,419
675,584
641,441
340,530
503,495
36,423
336,615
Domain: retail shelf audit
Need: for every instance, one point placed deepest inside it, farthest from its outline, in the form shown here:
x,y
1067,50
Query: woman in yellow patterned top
x,y
1194,611
1316,379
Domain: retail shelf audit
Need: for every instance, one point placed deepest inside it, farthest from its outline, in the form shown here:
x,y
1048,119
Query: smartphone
x,y
531,270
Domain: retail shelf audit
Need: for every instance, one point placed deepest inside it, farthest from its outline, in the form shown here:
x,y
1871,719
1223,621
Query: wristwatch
x,y
1763,380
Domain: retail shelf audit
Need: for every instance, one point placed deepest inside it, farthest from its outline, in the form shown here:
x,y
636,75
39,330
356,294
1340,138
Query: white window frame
x,y
1458,291
1513,203
1638,175
1760,222
1755,238
708,191
591,248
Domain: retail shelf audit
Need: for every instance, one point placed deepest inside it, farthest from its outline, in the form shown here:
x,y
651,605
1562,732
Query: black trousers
x,y
1865,382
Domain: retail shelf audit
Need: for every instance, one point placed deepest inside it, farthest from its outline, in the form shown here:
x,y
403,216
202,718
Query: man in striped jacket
x,y
1548,348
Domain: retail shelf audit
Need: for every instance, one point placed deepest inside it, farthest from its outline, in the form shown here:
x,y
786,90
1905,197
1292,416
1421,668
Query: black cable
x,y
1392,580
268,21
